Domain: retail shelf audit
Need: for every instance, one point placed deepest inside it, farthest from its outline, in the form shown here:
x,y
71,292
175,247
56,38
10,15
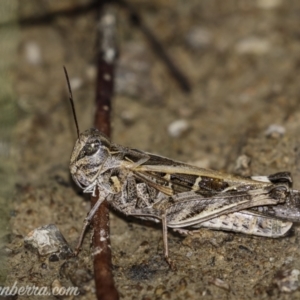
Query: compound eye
x,y
89,149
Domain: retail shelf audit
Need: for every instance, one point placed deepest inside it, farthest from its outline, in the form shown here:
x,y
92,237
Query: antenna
x,y
71,100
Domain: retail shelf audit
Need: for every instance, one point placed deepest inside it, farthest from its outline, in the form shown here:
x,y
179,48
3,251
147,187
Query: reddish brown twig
x,y
105,288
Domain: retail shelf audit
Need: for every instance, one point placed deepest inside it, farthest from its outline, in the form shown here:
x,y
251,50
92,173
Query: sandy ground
x,y
242,58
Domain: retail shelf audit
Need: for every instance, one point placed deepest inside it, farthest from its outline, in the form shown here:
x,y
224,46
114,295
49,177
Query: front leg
x,y
88,219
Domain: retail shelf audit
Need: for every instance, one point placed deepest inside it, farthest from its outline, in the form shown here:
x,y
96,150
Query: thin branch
x,y
105,288
157,47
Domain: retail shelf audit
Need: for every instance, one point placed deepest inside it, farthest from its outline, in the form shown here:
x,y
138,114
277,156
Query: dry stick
x,y
157,47
105,288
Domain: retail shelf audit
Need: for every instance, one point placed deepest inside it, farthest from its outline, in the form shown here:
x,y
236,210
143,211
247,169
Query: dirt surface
x,y
242,59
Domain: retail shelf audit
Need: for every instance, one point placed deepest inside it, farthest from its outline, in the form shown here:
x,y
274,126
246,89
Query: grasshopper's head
x,y
91,151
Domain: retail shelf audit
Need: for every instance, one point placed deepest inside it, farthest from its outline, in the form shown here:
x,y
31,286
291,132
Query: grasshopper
x,y
178,195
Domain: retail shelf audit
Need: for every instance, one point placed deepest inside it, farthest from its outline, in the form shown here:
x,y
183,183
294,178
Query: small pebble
x,y
268,4
189,254
76,83
221,284
33,53
253,45
48,240
128,117
198,38
287,280
275,131
91,72
178,127
288,260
